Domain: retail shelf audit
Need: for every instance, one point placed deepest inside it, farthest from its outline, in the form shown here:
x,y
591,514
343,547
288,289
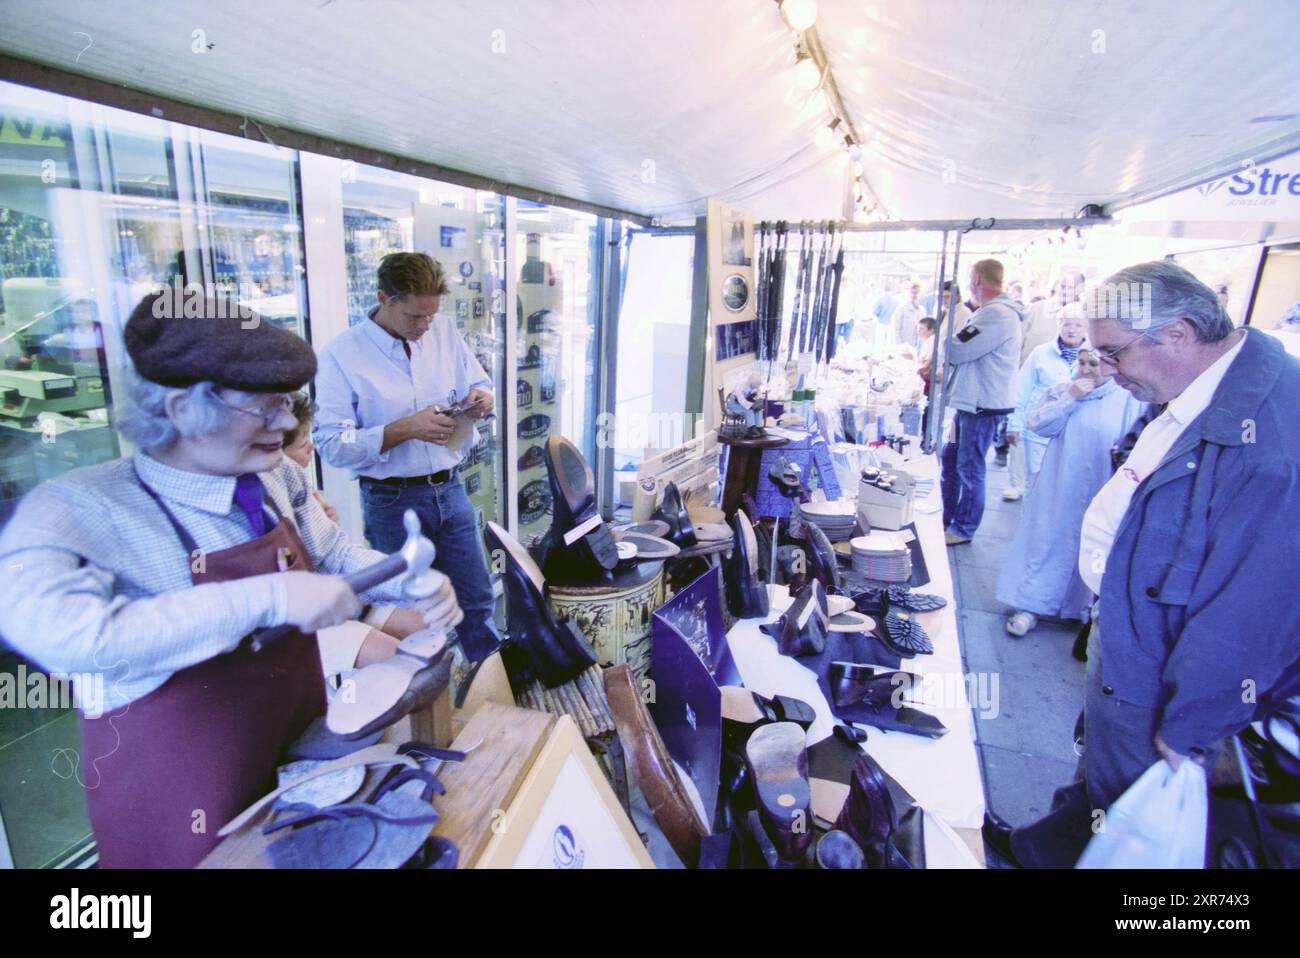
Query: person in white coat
x,y
905,318
1082,419
1048,364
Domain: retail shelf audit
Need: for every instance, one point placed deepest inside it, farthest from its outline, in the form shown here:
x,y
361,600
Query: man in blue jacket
x,y
1190,545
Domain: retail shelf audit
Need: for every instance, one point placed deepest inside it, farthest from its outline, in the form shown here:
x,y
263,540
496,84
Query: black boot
x,y
681,531
539,647
578,542
868,815
746,596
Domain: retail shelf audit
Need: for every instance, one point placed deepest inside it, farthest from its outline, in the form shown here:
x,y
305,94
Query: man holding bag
x,y
1194,636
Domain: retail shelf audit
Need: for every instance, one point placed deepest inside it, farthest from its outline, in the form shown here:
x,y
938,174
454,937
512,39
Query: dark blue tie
x,y
248,496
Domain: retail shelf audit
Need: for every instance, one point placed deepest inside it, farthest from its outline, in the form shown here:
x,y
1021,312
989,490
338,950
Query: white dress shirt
x,y
1101,521
365,382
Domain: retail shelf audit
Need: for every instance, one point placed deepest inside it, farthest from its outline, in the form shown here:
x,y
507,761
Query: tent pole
x,y
927,441
936,422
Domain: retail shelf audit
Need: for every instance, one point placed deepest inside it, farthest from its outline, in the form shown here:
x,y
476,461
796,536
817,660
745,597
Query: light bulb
x,y
855,153
807,75
857,165
799,14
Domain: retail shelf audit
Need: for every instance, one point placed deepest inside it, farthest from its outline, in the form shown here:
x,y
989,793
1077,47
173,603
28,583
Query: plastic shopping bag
x,y
1160,822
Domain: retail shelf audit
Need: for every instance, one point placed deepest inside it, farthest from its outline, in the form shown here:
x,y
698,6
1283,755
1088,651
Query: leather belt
x,y
403,482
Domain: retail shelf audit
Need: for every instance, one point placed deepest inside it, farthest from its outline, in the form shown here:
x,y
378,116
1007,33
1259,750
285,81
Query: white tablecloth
x,y
943,775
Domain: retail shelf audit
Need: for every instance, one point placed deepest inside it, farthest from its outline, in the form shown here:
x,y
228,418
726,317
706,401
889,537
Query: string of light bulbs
x,y
815,79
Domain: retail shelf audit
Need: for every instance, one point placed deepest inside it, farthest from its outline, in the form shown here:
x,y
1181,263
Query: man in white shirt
x,y
905,318
383,389
1191,545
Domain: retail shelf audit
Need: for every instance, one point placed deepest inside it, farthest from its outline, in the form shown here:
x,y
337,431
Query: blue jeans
x,y
447,518
962,479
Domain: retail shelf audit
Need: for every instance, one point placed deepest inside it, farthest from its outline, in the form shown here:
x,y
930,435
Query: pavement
x,y
1026,749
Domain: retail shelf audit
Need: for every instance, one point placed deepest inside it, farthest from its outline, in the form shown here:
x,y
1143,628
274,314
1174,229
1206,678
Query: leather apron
x,y
179,763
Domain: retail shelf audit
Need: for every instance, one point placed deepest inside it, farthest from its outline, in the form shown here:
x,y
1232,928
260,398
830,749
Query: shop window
x,y
557,344
97,207
653,347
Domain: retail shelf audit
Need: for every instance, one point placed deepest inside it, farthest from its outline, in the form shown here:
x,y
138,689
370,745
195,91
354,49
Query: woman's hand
x,y
1081,387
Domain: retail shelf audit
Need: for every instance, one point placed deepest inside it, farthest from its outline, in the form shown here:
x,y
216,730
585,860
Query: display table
x,y
943,775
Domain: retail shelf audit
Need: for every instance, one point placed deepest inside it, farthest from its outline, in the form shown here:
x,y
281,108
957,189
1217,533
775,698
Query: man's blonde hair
x,y
989,270
411,274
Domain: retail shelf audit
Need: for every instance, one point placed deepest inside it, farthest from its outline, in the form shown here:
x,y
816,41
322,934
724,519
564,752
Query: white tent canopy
x,y
974,107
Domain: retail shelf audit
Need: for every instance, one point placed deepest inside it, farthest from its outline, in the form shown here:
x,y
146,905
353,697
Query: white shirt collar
x,y
1195,399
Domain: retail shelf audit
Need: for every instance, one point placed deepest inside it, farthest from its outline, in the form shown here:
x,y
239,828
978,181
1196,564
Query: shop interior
x,y
677,251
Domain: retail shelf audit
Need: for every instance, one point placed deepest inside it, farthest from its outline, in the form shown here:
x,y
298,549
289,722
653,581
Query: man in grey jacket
x,y
981,365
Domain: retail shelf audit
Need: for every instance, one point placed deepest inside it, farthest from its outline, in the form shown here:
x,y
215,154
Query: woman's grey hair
x,y
142,414
1150,296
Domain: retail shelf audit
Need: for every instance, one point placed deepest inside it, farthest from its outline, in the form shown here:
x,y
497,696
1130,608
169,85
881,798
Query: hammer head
x,y
418,582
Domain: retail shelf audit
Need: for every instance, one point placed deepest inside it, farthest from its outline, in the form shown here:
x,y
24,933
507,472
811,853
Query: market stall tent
x,y
967,107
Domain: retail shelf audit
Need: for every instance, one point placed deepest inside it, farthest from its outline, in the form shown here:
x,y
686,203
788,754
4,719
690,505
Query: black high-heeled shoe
x,y
681,531
539,647
578,540
777,759
803,628
747,597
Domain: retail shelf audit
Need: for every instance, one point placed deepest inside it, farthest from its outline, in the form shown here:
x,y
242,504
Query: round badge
x,y
467,269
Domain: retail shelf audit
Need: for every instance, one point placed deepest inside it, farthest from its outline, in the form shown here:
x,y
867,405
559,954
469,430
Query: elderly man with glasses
x,y
154,571
1190,546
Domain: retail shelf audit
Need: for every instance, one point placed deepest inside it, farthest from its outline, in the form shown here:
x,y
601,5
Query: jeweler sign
x,y
1263,191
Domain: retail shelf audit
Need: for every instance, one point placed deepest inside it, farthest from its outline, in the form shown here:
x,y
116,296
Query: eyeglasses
x,y
268,413
1110,358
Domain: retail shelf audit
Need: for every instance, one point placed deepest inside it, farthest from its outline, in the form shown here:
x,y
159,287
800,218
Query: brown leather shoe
x,y
664,789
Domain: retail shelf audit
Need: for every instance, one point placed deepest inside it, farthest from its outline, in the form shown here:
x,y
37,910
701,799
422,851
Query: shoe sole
x,y
777,756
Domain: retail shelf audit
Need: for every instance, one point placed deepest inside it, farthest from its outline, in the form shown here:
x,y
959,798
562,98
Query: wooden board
x,y
502,742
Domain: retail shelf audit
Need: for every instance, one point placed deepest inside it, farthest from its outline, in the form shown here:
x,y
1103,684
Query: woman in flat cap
x,y
154,570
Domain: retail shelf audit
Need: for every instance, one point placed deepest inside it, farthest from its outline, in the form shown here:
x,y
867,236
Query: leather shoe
x,y
578,539
681,531
803,628
747,597
540,647
997,835
666,789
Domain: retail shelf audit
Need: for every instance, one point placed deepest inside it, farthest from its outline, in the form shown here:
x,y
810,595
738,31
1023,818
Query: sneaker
x,y
1013,494
955,538
1020,624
